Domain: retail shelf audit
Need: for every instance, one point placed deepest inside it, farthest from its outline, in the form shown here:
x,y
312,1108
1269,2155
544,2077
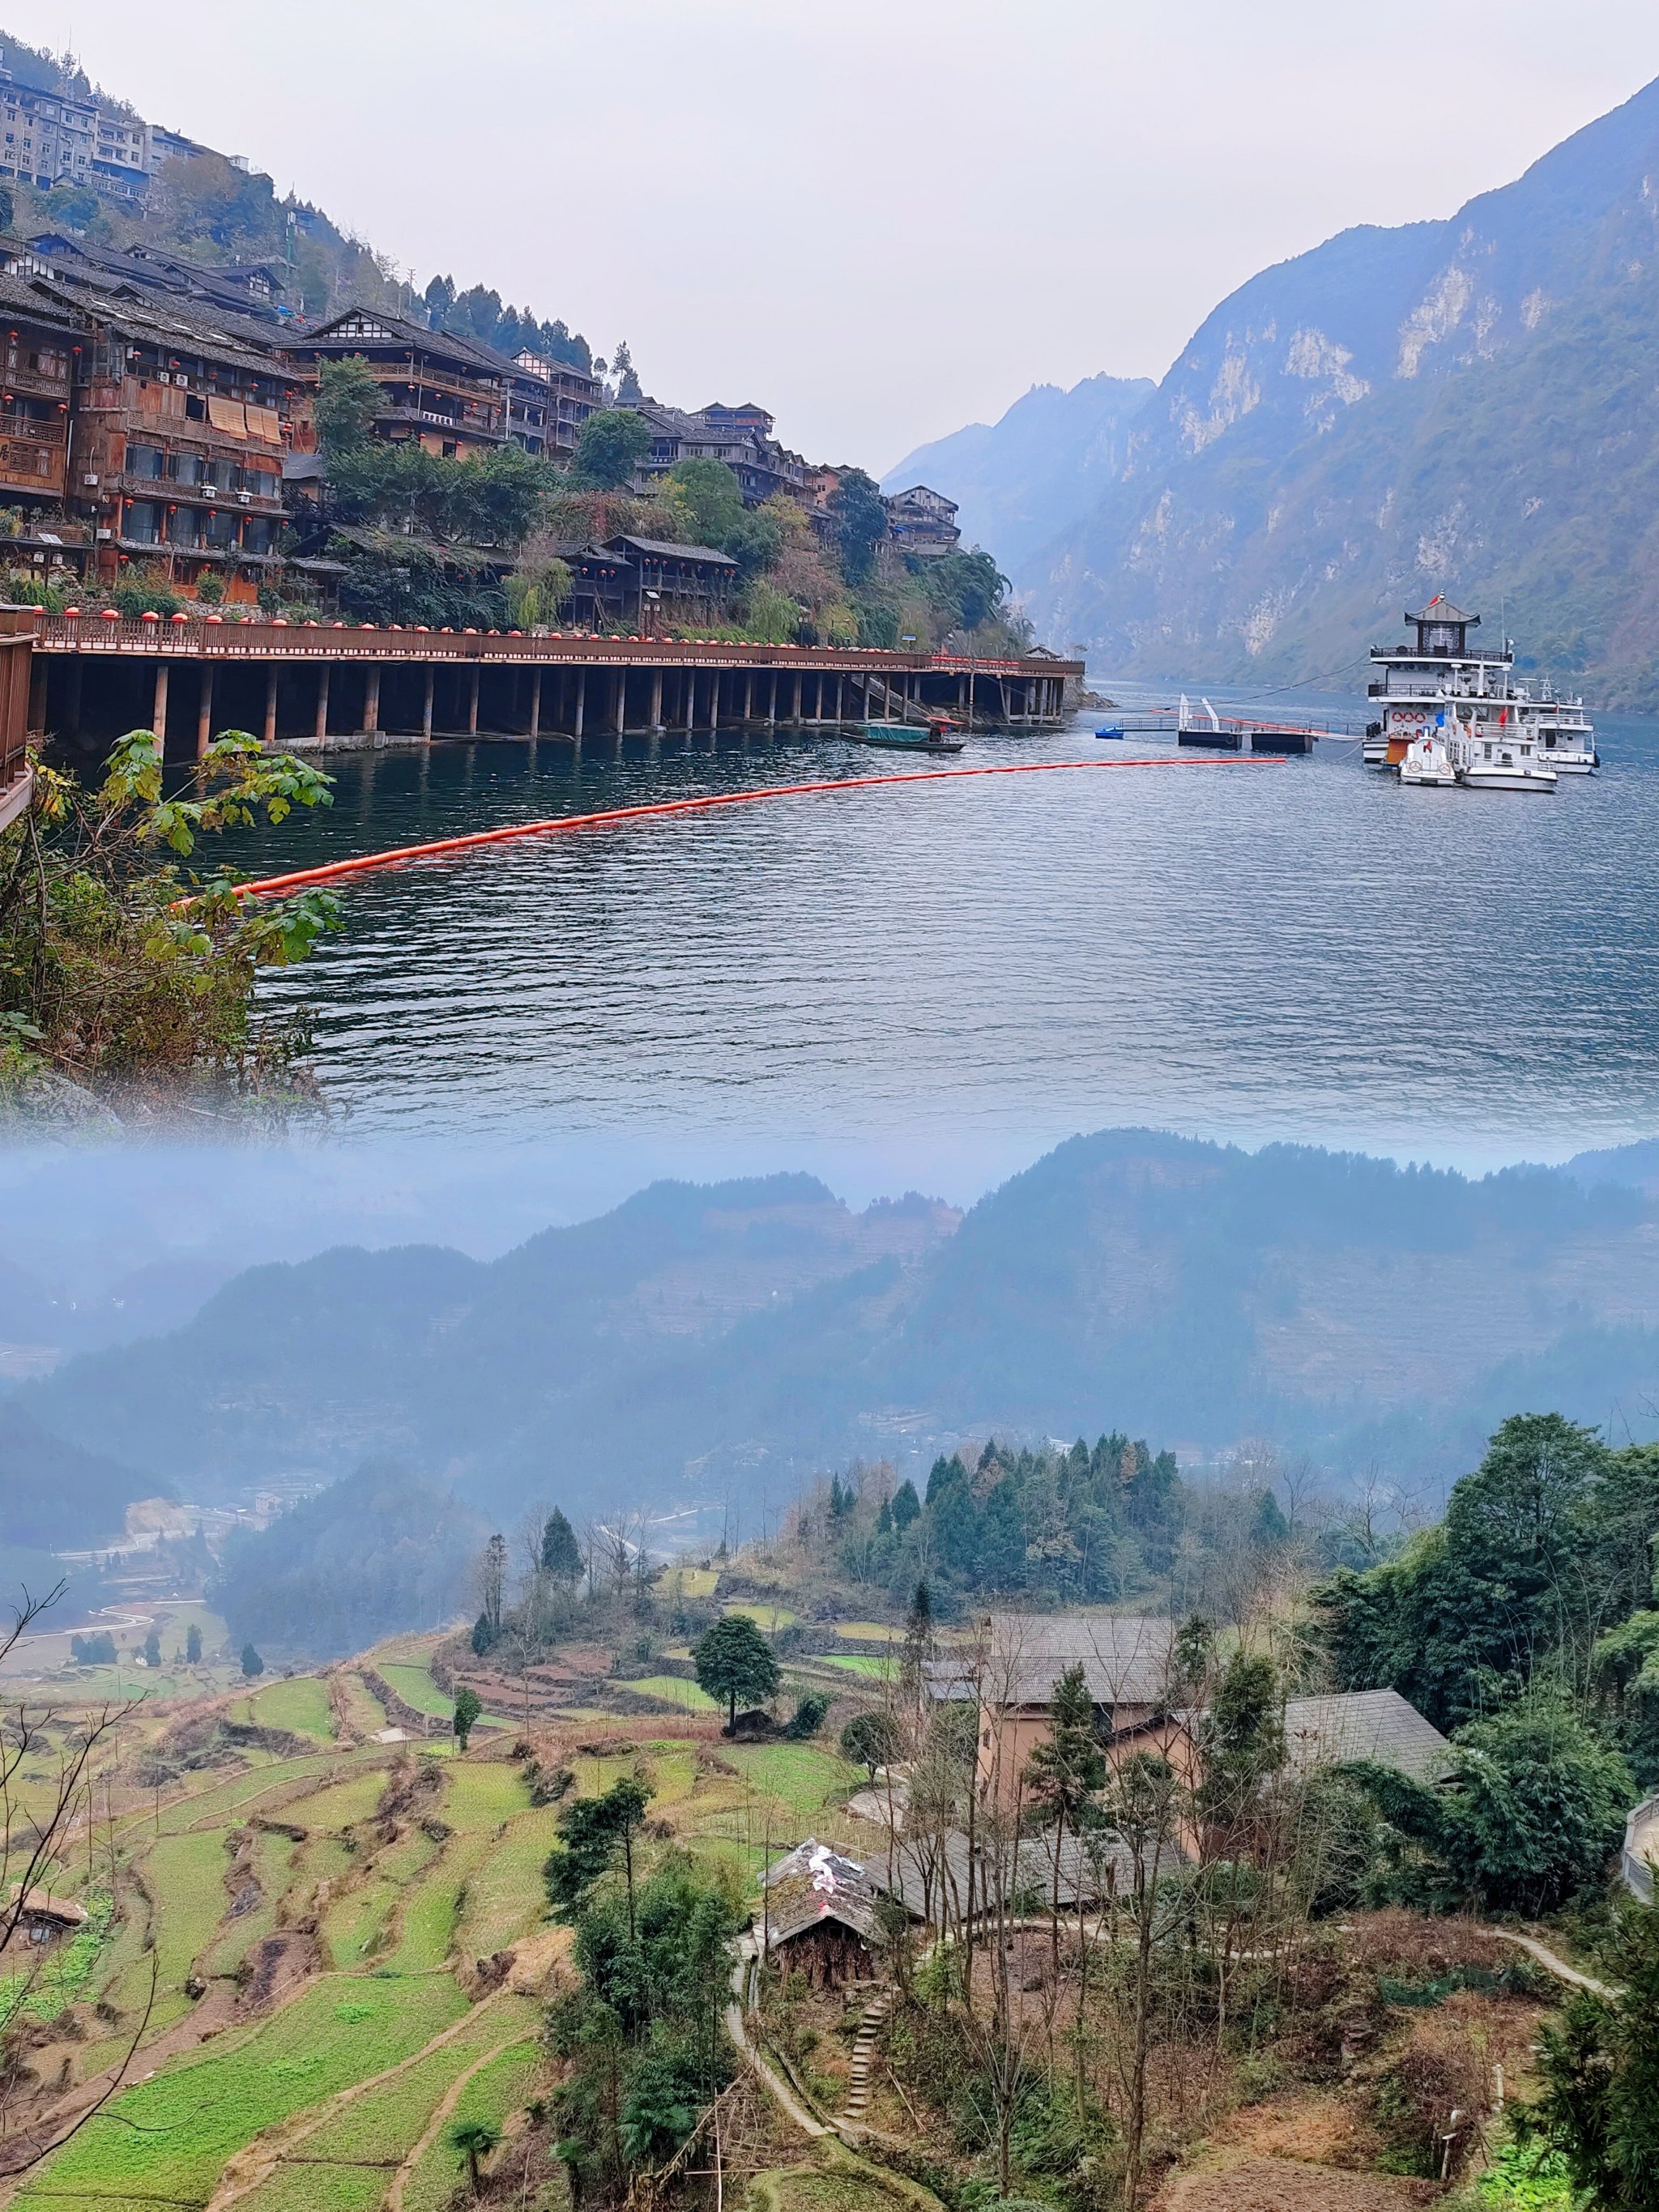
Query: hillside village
x,y
160,444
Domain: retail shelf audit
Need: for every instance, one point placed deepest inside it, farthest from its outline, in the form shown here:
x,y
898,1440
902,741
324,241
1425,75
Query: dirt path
x,y
447,2104
1556,1965
778,2090
256,2163
1282,2184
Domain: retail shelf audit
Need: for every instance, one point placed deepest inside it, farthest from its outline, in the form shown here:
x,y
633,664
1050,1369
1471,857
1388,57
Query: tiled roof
x,y
162,318
401,331
1440,610
1124,1660
813,1883
664,549
1374,1725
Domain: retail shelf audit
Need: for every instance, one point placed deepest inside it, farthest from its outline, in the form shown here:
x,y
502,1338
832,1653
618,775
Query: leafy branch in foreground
x,y
119,964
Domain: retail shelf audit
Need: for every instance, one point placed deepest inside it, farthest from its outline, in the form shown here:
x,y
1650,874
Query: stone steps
x,y
864,2048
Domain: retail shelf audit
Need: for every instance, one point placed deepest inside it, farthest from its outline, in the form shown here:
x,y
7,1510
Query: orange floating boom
x,y
330,871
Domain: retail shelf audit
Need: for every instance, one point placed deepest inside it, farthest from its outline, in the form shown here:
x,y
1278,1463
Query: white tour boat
x,y
1450,713
1566,735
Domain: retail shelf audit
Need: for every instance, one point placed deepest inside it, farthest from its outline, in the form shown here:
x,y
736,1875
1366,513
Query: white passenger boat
x,y
1566,735
1451,713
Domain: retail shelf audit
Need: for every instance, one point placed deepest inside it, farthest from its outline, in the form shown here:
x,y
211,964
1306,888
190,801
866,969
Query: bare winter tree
x,y
33,1842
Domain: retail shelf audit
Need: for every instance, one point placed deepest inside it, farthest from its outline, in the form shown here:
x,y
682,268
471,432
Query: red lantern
x,y
111,613
149,615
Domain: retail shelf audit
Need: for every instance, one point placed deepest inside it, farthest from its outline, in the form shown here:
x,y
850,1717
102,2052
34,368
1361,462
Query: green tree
x,y
1599,2107
609,446
966,588
734,1660
561,1554
1241,1742
252,1664
707,496
468,1706
808,1717
474,2139
1531,1811
622,368
594,1830
872,1739
535,595
192,1645
860,521
118,962
907,1506
152,1650
348,401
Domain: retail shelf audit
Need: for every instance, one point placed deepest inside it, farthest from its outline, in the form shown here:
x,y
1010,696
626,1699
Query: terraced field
x,y
333,1914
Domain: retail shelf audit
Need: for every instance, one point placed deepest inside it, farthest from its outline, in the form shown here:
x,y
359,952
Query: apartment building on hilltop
x,y
52,138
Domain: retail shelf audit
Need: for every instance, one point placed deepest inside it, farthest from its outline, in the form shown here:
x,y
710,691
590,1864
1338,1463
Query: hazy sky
x,y
881,218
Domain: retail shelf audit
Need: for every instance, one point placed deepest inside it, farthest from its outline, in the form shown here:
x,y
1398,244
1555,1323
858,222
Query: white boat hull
x,y
1483,778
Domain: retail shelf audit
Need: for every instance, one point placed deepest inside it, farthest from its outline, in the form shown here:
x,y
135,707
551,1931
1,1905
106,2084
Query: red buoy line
x,y
330,871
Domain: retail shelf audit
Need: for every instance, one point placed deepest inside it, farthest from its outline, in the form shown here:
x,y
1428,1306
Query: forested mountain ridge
x,y
722,1340
1037,469
1463,405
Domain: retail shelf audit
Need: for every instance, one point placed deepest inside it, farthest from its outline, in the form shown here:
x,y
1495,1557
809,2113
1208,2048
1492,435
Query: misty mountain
x,y
729,1339
1034,471
1465,406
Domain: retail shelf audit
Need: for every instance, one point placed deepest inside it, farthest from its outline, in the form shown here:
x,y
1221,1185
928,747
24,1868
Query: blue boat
x,y
1112,730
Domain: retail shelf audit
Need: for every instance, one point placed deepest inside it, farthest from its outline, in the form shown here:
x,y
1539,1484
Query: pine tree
x,y
622,368
907,1506
561,1554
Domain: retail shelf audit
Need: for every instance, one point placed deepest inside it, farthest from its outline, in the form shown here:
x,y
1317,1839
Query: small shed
x,y
821,1916
40,1918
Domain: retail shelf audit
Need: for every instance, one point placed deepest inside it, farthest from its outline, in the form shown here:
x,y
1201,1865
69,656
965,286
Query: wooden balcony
x,y
37,386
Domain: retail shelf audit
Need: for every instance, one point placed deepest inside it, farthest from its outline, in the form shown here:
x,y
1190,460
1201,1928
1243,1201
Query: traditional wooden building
x,y
42,341
738,437
922,522
182,418
566,396
647,585
450,394
820,1915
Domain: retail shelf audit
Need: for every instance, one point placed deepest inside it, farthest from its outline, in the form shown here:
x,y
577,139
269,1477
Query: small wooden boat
x,y
905,737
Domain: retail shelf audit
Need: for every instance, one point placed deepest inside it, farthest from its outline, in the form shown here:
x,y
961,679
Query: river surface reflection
x,y
1300,950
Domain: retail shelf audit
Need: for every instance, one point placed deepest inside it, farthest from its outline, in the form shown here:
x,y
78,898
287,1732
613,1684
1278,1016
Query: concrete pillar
x,y
205,713
372,700
536,703
656,703
270,704
841,687
581,702
748,696
322,702
158,713
714,699
425,704
622,701
472,703
691,699
772,704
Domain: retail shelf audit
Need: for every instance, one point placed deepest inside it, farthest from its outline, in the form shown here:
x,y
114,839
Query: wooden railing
x,y
231,639
17,633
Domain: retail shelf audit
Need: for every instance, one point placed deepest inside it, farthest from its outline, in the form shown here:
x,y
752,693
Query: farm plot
x,y
502,2086
301,1706
480,1801
413,1682
357,1924
169,2138
185,1876
345,2162
674,1690
272,1866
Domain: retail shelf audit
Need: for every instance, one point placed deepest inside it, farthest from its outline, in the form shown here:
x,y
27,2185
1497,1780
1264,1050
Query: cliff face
x,y
1467,405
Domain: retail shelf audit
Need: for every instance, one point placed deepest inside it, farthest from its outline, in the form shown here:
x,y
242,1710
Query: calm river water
x,y
1300,950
